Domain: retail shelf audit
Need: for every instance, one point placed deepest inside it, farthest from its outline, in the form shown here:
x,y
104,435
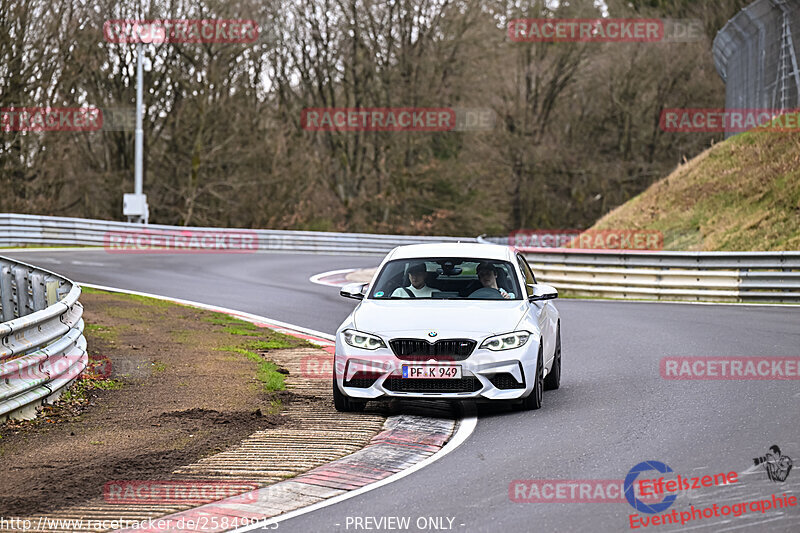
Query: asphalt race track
x,y
270,284
613,409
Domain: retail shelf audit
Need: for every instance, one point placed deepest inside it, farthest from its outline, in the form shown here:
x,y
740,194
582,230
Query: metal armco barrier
x,y
663,275
20,230
43,348
693,276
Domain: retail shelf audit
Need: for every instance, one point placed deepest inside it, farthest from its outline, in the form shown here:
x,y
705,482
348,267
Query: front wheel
x,y
553,379
534,399
345,404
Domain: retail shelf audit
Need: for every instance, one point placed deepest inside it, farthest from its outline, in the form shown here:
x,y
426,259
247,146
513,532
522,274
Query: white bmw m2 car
x,y
449,321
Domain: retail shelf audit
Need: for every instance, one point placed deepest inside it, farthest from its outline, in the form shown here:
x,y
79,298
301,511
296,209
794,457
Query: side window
x,y
528,268
526,271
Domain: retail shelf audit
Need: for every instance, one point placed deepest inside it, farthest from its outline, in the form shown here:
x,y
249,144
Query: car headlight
x,y
506,341
362,340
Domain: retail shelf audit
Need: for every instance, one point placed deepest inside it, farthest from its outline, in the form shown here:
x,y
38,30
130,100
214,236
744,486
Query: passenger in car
x,y
417,289
487,274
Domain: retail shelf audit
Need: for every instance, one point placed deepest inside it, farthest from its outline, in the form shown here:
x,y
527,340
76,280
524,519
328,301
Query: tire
x,y
534,400
553,379
343,403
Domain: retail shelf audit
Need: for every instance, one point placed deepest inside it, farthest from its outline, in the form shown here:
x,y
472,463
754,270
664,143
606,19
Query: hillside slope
x,y
742,194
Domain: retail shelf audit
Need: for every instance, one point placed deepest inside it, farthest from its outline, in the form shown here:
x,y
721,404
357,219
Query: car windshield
x,y
446,278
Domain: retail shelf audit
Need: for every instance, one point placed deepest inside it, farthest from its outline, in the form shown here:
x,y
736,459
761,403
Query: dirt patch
x,y
184,384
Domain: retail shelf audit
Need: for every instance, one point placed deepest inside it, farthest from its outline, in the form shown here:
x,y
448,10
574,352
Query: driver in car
x,y
487,274
418,289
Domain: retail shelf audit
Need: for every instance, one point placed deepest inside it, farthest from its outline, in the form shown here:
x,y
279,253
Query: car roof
x,y
499,252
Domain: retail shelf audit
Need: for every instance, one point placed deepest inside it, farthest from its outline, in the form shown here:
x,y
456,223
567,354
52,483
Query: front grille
x,y
505,380
441,350
465,384
362,380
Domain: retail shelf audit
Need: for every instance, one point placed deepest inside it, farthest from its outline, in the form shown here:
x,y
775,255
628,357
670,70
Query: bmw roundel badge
x,y
432,334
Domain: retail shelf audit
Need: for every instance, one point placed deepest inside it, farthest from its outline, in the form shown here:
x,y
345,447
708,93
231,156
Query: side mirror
x,y
542,292
354,290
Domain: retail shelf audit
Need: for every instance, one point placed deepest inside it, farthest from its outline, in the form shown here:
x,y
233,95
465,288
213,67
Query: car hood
x,y
442,316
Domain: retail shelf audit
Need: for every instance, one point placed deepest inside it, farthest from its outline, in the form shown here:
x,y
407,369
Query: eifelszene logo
x,y
637,503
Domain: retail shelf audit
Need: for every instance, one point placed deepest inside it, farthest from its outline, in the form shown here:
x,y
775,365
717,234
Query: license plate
x,y
432,371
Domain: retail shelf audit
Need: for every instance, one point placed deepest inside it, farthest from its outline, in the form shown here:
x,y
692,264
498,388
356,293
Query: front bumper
x,y
485,374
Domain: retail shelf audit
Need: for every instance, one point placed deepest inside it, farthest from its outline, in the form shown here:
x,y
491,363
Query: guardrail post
x,y
51,290
24,307
6,288
38,296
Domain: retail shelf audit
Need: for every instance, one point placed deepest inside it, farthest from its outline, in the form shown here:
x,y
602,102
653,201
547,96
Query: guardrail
x,y
664,275
19,230
694,276
43,348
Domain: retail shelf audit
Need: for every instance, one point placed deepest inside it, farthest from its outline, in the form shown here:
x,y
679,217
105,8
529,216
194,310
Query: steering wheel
x,y
487,293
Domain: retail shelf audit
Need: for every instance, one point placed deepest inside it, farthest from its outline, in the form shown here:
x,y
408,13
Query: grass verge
x,y
740,195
